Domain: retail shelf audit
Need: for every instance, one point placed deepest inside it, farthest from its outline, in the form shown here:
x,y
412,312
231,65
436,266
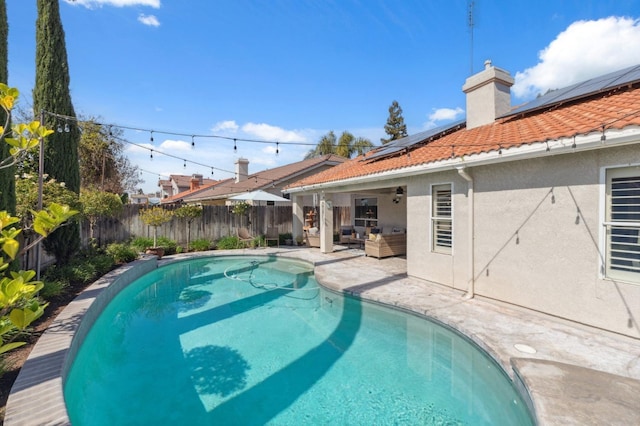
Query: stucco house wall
x,y
537,234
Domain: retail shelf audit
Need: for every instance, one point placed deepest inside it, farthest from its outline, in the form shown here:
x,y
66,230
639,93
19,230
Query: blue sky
x,y
289,71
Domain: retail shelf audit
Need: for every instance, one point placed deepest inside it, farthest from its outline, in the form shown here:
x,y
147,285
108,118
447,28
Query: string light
x,y
599,127
548,149
59,117
193,142
66,126
184,165
603,137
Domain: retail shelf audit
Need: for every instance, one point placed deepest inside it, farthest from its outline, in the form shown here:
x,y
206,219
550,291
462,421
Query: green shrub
x,y
258,241
103,264
169,246
284,237
201,244
80,270
53,289
122,253
228,243
141,243
179,249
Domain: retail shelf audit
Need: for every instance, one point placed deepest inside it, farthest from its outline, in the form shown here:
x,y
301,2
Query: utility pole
x,y
471,24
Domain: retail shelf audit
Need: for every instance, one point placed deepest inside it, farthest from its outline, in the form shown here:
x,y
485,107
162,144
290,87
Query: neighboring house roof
x,y
165,186
599,111
179,197
265,179
183,182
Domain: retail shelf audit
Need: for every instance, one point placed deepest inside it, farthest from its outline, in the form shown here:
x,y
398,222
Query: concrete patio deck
x,y
577,375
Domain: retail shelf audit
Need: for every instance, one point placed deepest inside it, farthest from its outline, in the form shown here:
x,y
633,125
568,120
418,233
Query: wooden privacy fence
x,y
216,222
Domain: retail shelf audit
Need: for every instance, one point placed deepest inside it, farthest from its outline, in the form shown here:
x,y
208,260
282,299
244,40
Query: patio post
x,y
297,217
326,223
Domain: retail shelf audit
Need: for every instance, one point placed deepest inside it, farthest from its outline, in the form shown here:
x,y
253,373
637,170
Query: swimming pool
x,y
254,340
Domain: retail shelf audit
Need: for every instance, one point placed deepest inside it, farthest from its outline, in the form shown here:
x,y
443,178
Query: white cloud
x,y
140,148
442,114
171,146
149,20
584,50
273,133
224,126
92,4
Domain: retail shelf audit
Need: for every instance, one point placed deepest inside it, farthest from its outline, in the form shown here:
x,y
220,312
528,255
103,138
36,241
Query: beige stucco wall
x,y
537,237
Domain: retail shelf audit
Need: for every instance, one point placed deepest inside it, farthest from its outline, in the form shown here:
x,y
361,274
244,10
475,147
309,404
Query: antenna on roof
x,y
470,23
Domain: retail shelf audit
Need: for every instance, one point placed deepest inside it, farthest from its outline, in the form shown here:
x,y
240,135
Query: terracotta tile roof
x,y
181,195
185,180
265,179
614,110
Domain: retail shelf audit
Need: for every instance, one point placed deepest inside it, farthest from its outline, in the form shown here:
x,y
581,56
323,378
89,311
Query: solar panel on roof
x,y
400,144
578,90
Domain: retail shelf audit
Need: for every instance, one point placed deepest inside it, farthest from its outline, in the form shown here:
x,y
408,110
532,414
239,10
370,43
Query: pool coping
x,y
37,395
545,379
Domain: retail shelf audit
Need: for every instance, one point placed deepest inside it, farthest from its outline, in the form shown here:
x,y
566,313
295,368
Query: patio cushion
x,y
346,231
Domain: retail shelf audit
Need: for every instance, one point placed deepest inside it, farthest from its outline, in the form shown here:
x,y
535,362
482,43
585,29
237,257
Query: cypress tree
x,y
395,126
51,94
7,180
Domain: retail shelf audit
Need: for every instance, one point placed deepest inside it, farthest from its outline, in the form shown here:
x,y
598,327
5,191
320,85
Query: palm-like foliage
x,y
346,146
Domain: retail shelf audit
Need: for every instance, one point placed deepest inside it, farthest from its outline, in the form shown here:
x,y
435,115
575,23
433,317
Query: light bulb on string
x,y
212,171
151,138
151,155
184,165
66,127
235,148
277,148
59,129
193,142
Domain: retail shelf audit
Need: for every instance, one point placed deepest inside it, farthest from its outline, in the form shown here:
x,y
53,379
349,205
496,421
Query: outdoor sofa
x,y
386,244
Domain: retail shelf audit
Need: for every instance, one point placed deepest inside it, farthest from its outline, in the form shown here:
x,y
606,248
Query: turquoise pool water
x,y
254,340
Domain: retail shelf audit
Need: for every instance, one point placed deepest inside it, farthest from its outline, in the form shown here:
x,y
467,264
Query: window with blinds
x,y
441,220
622,224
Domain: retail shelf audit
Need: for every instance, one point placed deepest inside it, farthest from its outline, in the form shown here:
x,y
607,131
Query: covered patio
x,y
373,209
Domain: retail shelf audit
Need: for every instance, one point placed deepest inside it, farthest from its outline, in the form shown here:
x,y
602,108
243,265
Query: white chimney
x,y
242,169
488,95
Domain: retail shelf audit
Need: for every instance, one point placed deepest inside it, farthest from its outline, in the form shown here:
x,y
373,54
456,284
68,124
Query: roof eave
x,y
590,142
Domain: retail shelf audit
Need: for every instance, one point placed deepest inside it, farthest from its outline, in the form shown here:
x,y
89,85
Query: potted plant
x,y
155,217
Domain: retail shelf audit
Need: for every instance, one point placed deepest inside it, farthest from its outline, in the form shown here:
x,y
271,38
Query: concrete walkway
x,y
576,375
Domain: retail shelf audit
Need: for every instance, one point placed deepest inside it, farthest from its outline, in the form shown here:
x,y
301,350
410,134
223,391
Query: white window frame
x,y
440,221
624,271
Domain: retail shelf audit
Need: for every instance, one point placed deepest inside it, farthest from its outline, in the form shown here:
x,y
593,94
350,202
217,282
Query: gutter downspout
x,y
470,206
